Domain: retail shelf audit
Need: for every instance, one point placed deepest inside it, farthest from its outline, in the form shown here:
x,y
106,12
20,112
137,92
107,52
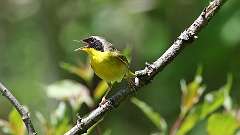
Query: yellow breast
x,y
107,67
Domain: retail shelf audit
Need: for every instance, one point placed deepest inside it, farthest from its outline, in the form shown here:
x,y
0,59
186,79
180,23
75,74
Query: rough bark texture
x,y
20,108
147,74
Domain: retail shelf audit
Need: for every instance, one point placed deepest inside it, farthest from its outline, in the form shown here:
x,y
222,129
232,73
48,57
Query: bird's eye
x,y
98,45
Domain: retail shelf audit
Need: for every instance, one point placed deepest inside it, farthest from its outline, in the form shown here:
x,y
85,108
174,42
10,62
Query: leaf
x,y
215,99
100,90
70,90
90,130
107,132
41,118
222,124
157,133
16,123
228,103
59,114
83,71
212,101
155,117
5,126
190,121
191,92
127,53
3,123
58,123
45,124
63,127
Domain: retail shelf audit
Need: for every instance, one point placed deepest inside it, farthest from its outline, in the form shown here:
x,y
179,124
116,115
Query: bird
x,y
106,61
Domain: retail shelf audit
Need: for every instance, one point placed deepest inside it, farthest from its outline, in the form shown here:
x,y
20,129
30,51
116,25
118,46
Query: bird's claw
x,y
103,101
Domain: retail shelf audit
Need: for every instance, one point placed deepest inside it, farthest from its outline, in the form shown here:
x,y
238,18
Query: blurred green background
x,y
36,35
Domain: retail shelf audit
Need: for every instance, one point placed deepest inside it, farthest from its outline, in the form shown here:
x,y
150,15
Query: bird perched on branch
x,y
106,61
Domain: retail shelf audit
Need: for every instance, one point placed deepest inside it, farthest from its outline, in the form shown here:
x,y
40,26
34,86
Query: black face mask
x,y
94,43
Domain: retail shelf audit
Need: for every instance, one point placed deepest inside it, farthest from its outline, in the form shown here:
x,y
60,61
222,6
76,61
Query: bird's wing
x,y
124,60
120,57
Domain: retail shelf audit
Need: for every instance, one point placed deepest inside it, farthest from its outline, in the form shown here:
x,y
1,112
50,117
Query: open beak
x,y
81,49
84,48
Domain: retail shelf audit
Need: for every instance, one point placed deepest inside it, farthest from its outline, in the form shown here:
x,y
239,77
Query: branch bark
x,y
20,108
145,76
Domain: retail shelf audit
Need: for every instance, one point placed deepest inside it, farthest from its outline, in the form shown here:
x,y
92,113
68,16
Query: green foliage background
x,y
37,35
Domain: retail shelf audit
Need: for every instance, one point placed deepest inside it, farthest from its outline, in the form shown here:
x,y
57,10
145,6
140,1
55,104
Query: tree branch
x,y
147,74
21,110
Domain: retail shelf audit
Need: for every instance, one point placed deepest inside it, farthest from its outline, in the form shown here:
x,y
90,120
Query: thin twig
x,y
148,73
21,110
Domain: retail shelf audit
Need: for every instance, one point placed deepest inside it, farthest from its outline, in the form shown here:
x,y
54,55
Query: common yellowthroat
x,y
106,61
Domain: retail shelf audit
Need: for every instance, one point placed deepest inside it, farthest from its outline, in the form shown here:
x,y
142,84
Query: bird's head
x,y
94,42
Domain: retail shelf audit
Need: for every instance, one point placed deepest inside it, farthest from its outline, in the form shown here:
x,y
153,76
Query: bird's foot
x,y
103,101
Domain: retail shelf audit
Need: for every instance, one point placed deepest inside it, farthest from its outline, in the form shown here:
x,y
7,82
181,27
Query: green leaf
x,y
58,123
16,123
212,101
222,124
215,99
191,92
127,53
157,133
90,130
41,118
45,124
190,121
3,123
63,127
100,90
155,117
72,91
60,114
83,71
5,126
107,132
